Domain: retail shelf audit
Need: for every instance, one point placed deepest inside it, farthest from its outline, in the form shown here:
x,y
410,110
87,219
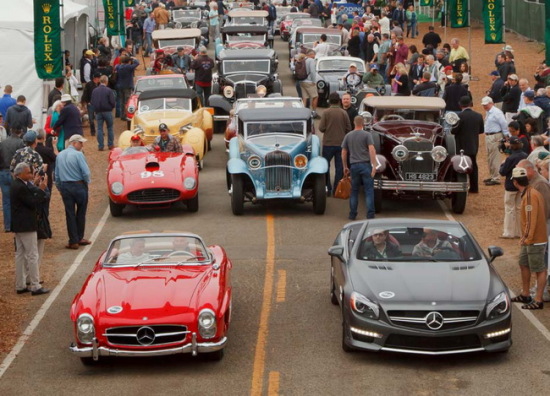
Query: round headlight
x,y
207,323
320,84
400,153
367,117
439,153
85,328
451,118
254,162
117,188
300,161
131,109
228,91
189,183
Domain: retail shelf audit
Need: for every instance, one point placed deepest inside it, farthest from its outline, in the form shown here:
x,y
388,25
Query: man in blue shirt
x,y
495,129
148,29
6,101
125,81
72,176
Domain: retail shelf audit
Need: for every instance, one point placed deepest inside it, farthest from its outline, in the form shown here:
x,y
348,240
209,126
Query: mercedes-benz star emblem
x,y
434,320
145,335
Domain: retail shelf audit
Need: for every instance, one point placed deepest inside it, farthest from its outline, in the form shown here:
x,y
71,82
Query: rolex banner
x,y
493,21
458,12
129,3
113,12
426,3
47,39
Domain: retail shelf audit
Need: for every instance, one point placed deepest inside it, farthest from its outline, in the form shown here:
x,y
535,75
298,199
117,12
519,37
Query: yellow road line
x,y
259,354
281,286
273,383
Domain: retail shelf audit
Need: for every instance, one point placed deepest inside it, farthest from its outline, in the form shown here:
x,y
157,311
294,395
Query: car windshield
x,y
184,42
415,243
195,14
156,250
134,150
246,66
165,104
339,64
248,21
147,84
272,127
306,22
407,114
245,37
313,37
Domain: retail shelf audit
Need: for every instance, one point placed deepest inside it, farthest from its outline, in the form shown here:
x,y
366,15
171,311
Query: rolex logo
x,y
493,36
49,68
46,7
112,24
459,21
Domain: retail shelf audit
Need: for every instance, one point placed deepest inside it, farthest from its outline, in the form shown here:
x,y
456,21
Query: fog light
x,y
497,333
366,333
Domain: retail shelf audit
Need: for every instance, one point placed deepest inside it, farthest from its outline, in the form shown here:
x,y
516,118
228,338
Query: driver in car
x,y
379,247
373,79
136,254
166,143
161,61
136,145
352,78
430,244
184,244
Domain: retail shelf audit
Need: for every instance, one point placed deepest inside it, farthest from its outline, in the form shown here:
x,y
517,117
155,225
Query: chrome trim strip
x,y
220,117
420,186
156,334
423,320
433,353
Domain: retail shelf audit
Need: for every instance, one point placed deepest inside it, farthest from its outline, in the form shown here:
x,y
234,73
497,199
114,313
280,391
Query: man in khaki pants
x,y
496,128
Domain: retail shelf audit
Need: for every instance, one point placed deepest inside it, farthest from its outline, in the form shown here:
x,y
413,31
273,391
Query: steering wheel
x,y
390,117
181,253
353,80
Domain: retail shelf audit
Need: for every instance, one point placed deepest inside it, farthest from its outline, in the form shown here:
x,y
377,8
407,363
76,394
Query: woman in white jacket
x,y
71,85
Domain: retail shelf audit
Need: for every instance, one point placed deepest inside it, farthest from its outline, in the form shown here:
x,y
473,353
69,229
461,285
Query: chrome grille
x,y
417,319
412,165
435,344
242,90
146,335
154,195
278,172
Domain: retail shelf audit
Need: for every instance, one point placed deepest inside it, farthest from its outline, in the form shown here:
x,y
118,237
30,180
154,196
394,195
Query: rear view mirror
x,y
494,252
336,251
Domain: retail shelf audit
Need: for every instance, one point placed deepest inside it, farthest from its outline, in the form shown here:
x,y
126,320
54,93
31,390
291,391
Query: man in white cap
x,y
69,119
72,176
495,128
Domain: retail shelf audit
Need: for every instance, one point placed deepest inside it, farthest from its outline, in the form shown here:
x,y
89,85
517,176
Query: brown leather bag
x,y
343,190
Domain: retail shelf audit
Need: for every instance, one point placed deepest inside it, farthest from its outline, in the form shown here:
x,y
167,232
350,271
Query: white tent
x,y
17,49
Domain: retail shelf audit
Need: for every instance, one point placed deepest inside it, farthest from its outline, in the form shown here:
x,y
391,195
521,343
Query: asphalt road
x,y
285,335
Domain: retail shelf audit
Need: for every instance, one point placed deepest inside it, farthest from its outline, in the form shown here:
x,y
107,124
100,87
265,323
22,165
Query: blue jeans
x,y
361,173
91,118
149,39
203,93
106,116
330,152
5,185
75,200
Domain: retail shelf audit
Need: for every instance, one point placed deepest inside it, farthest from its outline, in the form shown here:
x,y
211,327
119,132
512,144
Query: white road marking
x,y
528,314
51,298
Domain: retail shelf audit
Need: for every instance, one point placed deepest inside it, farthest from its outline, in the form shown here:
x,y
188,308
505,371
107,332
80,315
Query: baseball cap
x,y
77,138
514,140
374,66
66,98
518,172
163,127
486,100
529,94
507,48
135,138
30,136
513,77
494,73
89,52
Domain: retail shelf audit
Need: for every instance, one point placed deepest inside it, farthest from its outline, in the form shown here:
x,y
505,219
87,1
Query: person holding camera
x,y
495,127
512,196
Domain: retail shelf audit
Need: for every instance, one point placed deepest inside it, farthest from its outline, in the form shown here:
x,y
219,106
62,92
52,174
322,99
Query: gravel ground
x,y
483,216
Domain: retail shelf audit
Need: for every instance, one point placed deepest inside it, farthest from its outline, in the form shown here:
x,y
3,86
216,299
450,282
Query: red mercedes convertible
x,y
154,294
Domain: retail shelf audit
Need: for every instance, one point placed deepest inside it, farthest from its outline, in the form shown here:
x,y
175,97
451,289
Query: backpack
x,y
300,70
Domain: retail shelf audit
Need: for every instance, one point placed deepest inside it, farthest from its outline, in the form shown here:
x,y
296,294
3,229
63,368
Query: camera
x,y
41,172
502,146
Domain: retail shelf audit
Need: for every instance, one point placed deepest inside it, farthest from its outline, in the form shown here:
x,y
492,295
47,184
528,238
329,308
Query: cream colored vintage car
x,y
180,110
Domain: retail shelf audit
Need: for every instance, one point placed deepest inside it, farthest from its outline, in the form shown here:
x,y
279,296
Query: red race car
x,y
148,83
138,176
154,294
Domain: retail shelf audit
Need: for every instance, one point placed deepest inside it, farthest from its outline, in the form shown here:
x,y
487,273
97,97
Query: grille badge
x,y
145,335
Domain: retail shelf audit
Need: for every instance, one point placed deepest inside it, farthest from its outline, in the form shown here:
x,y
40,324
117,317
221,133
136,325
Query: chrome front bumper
x,y
431,186
95,351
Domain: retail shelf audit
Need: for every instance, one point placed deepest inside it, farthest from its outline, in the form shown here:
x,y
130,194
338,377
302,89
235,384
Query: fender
x,y
234,148
316,165
207,124
237,166
219,102
196,138
382,163
124,139
462,164
315,147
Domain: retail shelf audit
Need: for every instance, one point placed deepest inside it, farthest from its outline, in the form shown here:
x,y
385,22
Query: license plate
x,y
420,176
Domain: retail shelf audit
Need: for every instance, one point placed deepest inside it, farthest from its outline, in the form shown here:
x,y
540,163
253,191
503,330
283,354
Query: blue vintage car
x,y
275,155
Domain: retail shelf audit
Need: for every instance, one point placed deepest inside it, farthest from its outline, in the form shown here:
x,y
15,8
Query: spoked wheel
x,y
237,195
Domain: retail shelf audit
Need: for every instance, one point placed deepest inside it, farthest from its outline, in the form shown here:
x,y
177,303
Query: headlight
x,y
189,183
186,127
400,153
228,91
320,84
498,306
131,109
451,118
300,161
117,188
364,306
85,328
439,153
254,162
207,323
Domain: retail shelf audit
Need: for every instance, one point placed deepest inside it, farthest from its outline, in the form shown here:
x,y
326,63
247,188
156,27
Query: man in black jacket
x,y
56,92
69,119
87,100
467,133
431,38
25,197
18,117
8,148
103,101
511,94
203,66
494,92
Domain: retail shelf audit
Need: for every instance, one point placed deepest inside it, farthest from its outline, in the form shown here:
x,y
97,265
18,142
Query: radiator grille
x,y
412,164
146,335
154,195
417,319
423,343
242,90
278,173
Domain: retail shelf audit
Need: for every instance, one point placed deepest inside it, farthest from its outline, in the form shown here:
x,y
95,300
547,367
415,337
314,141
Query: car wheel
x,y
116,209
215,89
333,298
193,204
88,361
237,195
450,145
458,200
319,194
377,196
128,124
214,356
278,87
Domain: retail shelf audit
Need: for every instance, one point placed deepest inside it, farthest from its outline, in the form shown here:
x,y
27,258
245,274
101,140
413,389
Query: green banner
x,y
129,3
113,11
426,3
493,21
458,13
48,58
547,35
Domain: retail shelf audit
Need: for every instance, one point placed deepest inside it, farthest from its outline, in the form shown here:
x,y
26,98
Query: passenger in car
x,y
430,244
136,254
379,247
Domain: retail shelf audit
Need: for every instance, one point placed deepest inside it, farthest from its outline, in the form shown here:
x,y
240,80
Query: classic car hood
x,y
415,282
239,77
245,44
262,145
133,165
172,118
404,129
331,76
156,292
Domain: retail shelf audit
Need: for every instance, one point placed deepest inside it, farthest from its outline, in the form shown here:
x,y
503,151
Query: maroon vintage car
x,y
154,294
417,156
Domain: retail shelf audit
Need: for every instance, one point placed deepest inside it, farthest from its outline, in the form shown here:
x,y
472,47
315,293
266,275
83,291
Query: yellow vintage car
x,y
180,110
